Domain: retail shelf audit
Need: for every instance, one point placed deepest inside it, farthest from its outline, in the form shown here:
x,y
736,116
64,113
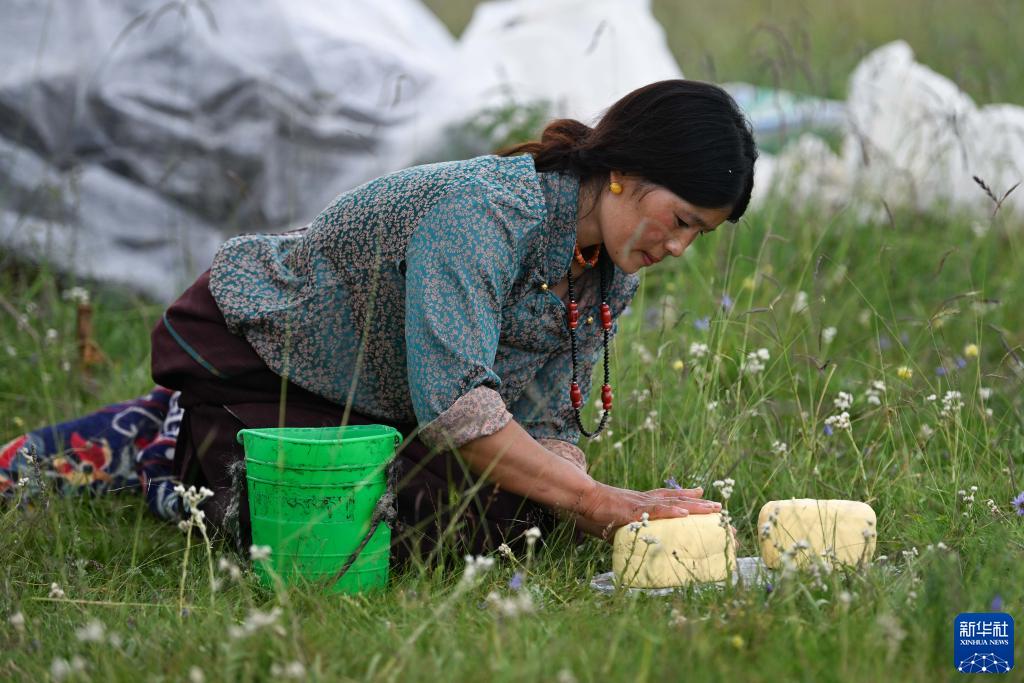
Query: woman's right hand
x,y
605,508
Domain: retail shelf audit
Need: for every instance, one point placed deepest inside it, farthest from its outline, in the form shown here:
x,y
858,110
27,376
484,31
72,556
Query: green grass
x,y
910,292
813,46
906,293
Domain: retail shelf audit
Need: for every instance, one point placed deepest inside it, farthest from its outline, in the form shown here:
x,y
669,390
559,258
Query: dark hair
x,y
687,136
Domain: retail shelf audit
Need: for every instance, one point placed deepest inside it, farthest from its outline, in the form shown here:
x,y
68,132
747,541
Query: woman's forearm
x,y
511,458
514,461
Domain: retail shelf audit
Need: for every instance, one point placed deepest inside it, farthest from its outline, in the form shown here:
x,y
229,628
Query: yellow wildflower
x,y
903,372
737,641
678,364
748,282
971,351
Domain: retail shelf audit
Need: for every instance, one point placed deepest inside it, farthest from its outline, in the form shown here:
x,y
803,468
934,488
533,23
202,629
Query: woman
x,y
466,304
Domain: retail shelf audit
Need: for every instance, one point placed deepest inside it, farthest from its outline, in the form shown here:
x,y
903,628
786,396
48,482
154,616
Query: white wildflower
x,y
643,353
712,406
951,404
925,432
93,632
256,621
196,675
874,392
565,676
506,551
476,566
11,351
226,565
79,295
259,552
779,447
724,487
985,393
17,620
650,540
639,396
967,498
294,670
828,335
755,361
698,350
51,336
56,591
840,421
532,534
843,401
59,669
191,499
644,518
845,598
512,606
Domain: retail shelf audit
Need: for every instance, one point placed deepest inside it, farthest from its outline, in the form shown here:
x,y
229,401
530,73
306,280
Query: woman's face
x,y
646,223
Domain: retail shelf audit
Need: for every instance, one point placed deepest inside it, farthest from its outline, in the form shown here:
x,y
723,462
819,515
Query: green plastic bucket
x,y
312,492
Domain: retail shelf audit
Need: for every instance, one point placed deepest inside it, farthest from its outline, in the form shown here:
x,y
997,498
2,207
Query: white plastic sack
x,y
912,139
247,115
915,138
572,58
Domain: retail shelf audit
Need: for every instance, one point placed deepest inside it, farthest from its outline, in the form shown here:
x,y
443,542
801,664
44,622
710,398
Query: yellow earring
x,y
616,188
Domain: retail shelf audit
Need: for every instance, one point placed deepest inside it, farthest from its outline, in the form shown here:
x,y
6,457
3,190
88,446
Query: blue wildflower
x,y
726,302
703,324
884,342
1018,504
672,483
997,604
940,371
961,363
516,582
828,430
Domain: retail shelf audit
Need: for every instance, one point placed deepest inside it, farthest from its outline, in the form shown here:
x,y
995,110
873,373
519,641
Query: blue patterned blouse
x,y
417,296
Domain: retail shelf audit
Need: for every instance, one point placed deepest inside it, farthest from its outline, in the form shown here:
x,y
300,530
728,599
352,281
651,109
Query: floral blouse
x,y
418,297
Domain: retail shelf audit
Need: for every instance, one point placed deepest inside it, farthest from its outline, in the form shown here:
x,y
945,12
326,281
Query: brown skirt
x,y
225,387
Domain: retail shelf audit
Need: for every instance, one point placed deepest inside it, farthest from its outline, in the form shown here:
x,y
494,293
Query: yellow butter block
x,y
839,530
668,553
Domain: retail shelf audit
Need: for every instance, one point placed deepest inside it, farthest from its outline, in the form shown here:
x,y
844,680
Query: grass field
x,y
926,304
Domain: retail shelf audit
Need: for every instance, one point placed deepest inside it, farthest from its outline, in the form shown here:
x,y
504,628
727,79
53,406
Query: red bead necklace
x,y
575,394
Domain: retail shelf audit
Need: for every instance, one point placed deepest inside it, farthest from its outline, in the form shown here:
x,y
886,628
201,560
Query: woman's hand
x,y
604,508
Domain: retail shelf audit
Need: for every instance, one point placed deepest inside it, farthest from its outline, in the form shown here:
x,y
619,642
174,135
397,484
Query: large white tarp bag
x,y
916,139
216,117
912,139
521,62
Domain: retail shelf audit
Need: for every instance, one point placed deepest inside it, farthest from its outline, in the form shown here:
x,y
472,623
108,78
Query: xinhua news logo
x,y
983,642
